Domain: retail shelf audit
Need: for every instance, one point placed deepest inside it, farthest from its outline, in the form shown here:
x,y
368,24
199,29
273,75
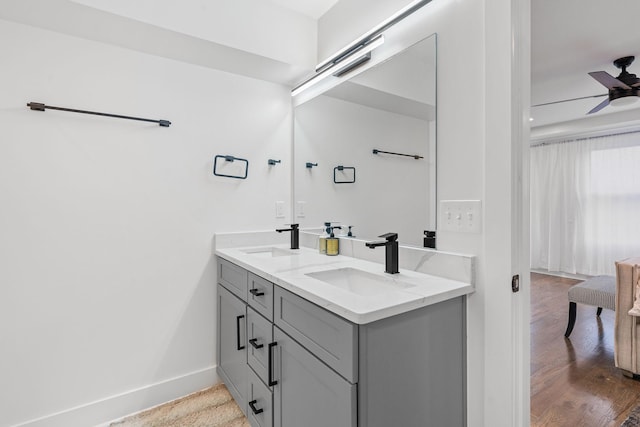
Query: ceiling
x,y
312,8
571,38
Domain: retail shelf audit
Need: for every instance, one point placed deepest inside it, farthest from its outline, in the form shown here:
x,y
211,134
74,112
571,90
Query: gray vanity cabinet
x,y
231,346
291,363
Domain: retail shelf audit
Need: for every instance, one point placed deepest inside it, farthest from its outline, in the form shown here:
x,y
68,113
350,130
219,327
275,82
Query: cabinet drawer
x,y
260,295
328,336
260,398
259,335
233,277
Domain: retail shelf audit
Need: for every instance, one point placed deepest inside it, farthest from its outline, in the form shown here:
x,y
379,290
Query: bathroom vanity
x,y
307,340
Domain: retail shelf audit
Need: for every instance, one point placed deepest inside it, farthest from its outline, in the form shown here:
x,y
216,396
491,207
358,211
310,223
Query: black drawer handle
x,y
238,318
255,292
253,342
255,410
271,381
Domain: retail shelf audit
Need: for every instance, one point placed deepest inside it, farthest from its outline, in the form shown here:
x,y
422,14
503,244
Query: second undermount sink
x,y
270,251
359,282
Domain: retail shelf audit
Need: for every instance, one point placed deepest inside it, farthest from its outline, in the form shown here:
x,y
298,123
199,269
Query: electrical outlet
x,y
279,209
463,216
300,208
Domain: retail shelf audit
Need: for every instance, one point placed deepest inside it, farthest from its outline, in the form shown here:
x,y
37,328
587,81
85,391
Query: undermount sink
x,y
359,282
270,251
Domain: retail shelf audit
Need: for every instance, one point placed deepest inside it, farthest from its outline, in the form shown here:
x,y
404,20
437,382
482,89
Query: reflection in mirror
x,y
389,107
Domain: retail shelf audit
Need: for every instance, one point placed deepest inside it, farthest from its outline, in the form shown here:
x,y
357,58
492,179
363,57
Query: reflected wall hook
x,y
310,165
273,162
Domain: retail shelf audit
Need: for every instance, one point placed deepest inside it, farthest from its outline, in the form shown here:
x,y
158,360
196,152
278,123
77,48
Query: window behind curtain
x,y
585,205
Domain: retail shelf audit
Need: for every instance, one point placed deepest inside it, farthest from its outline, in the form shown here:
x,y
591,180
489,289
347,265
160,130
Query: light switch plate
x,y
300,208
279,209
463,216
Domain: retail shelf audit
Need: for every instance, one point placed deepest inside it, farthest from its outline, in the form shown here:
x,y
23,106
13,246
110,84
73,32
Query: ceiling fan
x,y
623,89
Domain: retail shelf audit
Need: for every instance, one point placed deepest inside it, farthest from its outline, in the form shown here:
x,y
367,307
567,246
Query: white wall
x,y
106,267
390,193
255,26
481,99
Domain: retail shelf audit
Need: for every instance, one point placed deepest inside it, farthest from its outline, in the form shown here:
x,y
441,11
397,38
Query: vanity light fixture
x,y
371,34
362,47
362,54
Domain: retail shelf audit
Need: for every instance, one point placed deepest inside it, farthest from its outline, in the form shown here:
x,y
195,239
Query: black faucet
x,y
295,235
391,251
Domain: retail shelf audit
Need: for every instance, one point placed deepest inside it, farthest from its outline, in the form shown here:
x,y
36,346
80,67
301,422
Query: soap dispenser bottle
x,y
333,243
322,240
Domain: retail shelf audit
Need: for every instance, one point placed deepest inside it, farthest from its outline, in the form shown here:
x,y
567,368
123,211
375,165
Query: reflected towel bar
x,y
415,156
37,106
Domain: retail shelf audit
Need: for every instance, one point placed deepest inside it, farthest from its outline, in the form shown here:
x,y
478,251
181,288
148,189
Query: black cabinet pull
x,y
253,342
255,410
238,318
255,292
271,381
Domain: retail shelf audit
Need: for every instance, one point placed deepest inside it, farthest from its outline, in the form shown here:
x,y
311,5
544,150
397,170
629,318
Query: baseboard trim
x,y
102,412
561,274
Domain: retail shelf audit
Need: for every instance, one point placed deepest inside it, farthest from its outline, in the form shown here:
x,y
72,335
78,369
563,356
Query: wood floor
x,y
574,381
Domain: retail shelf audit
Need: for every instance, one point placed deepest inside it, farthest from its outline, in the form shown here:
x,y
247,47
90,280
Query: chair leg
x,y
572,319
599,312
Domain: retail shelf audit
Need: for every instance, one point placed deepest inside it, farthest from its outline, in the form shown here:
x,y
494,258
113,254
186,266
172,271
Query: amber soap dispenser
x,y
333,243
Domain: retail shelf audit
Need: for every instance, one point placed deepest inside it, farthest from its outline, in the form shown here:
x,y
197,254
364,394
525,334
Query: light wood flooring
x,y
574,382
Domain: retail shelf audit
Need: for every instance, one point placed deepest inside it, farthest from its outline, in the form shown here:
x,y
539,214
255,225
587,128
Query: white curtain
x,y
585,204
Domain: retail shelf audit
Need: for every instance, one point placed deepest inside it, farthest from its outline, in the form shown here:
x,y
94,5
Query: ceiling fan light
x,y
623,101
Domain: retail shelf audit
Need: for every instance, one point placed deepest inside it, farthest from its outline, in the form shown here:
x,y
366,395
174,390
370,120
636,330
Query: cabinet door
x,y
231,345
308,393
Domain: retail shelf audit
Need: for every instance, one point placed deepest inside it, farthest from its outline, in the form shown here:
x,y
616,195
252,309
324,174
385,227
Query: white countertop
x,y
289,272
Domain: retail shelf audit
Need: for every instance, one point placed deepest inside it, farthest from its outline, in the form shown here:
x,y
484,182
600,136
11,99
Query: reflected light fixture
x,y
342,66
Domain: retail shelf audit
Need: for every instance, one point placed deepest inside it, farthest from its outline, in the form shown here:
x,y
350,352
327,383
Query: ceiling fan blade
x,y
608,80
599,106
569,100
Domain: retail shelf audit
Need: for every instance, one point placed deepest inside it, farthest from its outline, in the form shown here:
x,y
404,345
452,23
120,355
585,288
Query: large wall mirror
x,y
390,107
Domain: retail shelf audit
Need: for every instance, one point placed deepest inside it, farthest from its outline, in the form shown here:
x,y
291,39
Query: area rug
x,y
212,407
633,420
